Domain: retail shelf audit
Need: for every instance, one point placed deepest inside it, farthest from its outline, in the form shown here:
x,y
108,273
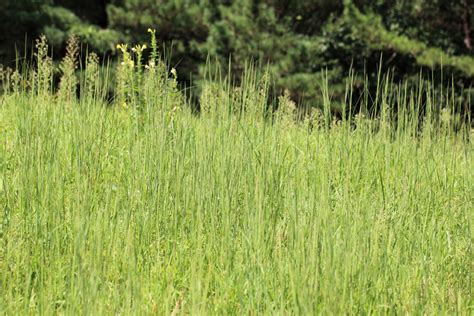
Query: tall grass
x,y
143,207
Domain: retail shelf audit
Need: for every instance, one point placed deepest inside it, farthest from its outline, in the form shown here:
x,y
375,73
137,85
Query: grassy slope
x,y
106,210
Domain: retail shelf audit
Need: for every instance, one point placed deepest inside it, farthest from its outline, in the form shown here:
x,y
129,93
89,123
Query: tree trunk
x,y
466,17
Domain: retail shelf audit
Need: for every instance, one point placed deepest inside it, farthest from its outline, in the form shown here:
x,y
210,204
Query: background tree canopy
x,y
300,40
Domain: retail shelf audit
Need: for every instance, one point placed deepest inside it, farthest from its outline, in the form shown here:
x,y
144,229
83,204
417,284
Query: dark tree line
x,y
299,39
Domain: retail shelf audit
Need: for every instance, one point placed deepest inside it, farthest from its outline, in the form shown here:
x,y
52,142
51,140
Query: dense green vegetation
x,y
300,39
139,206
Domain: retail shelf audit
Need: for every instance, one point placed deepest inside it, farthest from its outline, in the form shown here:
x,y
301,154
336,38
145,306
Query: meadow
x,y
143,206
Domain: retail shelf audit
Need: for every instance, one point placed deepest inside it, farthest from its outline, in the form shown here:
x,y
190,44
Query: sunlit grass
x,y
143,207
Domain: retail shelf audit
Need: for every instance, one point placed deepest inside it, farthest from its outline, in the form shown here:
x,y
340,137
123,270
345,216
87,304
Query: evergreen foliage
x,y
299,40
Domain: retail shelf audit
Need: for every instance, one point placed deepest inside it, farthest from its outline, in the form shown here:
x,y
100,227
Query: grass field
x,y
143,207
